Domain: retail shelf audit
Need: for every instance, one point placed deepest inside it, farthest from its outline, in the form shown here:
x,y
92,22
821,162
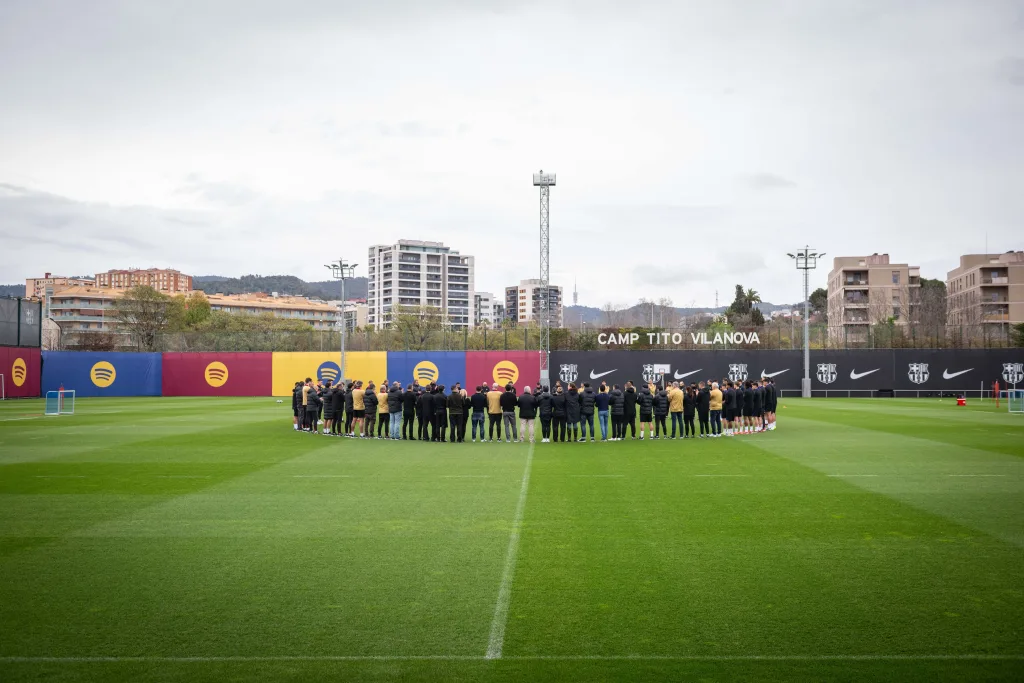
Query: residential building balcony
x,y
995,280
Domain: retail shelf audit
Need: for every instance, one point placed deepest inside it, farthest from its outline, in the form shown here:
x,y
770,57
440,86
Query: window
x,y
896,312
895,277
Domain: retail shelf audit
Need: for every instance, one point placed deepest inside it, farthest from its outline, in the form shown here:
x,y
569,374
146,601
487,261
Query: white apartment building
x,y
483,310
523,302
413,273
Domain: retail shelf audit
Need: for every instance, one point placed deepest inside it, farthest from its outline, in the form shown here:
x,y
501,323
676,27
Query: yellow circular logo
x,y
425,372
506,371
103,374
216,374
19,371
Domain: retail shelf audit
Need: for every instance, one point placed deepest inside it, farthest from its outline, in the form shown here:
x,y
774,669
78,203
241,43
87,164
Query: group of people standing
x,y
566,413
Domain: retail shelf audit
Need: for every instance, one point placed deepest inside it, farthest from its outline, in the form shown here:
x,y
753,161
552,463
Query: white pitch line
x,y
558,658
497,638
851,475
597,475
465,476
182,476
721,475
62,476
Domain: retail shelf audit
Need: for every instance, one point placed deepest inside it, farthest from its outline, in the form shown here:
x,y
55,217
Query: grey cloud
x,y
1012,70
768,181
229,194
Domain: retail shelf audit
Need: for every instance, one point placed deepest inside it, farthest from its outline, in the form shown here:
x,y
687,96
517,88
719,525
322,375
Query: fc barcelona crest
x,y
827,373
1013,373
568,372
738,372
653,373
918,373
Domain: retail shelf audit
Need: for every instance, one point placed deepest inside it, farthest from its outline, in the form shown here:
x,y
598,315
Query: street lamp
x,y
342,271
806,260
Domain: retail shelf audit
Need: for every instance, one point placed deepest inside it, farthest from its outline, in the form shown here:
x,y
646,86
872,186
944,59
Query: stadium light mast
x,y
342,271
545,181
806,260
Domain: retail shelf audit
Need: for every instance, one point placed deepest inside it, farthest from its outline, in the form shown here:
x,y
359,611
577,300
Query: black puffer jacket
x,y
646,401
558,405
587,399
572,407
394,400
348,400
704,400
618,402
508,402
370,401
629,405
689,404
544,405
527,407
409,402
661,403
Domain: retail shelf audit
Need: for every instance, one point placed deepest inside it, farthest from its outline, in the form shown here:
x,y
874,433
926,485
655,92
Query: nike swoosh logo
x,y
598,375
687,374
946,374
773,374
857,375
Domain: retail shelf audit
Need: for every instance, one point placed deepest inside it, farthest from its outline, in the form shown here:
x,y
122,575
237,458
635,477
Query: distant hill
x,y
635,315
355,288
12,290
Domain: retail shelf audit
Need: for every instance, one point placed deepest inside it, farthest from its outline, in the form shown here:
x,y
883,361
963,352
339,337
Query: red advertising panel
x,y
20,369
522,368
217,374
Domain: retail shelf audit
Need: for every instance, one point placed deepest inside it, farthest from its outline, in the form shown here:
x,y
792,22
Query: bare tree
x,y
142,312
614,315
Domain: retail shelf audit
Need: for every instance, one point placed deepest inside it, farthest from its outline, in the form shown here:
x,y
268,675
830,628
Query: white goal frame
x,y
62,397
1011,396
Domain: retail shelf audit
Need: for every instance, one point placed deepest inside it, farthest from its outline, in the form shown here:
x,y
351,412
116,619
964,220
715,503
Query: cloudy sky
x,y
695,142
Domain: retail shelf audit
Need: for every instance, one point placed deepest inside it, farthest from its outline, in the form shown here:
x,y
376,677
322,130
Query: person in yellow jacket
x,y
383,421
358,409
494,412
675,408
716,410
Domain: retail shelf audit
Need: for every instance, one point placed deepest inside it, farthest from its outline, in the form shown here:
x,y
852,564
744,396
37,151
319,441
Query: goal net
x,y
1014,399
60,402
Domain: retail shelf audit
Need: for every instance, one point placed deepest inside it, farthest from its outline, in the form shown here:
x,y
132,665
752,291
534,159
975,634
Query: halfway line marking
x,y
975,475
465,476
497,638
851,475
721,475
557,658
320,476
597,475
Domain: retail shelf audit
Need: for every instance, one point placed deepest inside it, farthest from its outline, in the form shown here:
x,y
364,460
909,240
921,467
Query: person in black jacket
x,y
425,411
704,409
440,413
454,414
588,400
689,410
628,411
558,415
478,402
527,404
467,405
408,413
348,408
660,413
321,394
646,401
773,402
544,411
370,407
508,403
618,406
337,408
296,405
572,413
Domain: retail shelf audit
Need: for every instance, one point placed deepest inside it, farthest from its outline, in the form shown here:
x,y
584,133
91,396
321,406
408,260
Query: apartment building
x,y
162,280
42,288
355,312
863,290
483,310
523,303
413,273
81,308
986,289
320,315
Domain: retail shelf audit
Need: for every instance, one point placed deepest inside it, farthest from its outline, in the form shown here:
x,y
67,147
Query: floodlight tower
x,y
545,181
342,271
806,260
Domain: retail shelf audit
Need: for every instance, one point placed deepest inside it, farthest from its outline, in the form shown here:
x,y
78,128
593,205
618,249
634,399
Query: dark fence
x,y
768,337
21,322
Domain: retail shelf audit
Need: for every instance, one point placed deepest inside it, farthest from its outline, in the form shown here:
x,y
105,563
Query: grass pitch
x,y
203,539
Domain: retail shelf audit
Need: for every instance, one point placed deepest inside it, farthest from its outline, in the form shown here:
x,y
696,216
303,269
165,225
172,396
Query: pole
x,y
806,388
344,328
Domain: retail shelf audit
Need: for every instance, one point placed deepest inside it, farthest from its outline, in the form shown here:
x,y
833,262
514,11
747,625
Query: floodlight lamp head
x,y
543,179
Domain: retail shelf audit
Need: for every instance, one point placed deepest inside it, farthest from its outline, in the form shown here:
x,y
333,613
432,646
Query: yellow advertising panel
x,y
292,367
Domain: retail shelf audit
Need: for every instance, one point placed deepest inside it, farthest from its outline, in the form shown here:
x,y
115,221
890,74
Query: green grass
x,y
203,539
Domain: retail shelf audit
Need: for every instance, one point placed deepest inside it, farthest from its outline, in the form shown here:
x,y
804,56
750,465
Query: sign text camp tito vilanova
x,y
676,338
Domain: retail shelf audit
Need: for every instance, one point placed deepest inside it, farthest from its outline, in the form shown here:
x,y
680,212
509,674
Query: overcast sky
x,y
695,142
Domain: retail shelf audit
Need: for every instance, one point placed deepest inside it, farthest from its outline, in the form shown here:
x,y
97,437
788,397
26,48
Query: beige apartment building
x,y
84,308
42,288
319,314
863,290
163,280
987,289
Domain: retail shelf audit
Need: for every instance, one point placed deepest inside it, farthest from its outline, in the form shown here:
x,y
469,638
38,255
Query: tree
x,y
819,303
742,307
613,314
417,326
142,312
1017,334
197,309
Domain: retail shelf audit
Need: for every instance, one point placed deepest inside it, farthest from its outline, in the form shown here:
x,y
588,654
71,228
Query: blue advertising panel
x,y
424,367
100,373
